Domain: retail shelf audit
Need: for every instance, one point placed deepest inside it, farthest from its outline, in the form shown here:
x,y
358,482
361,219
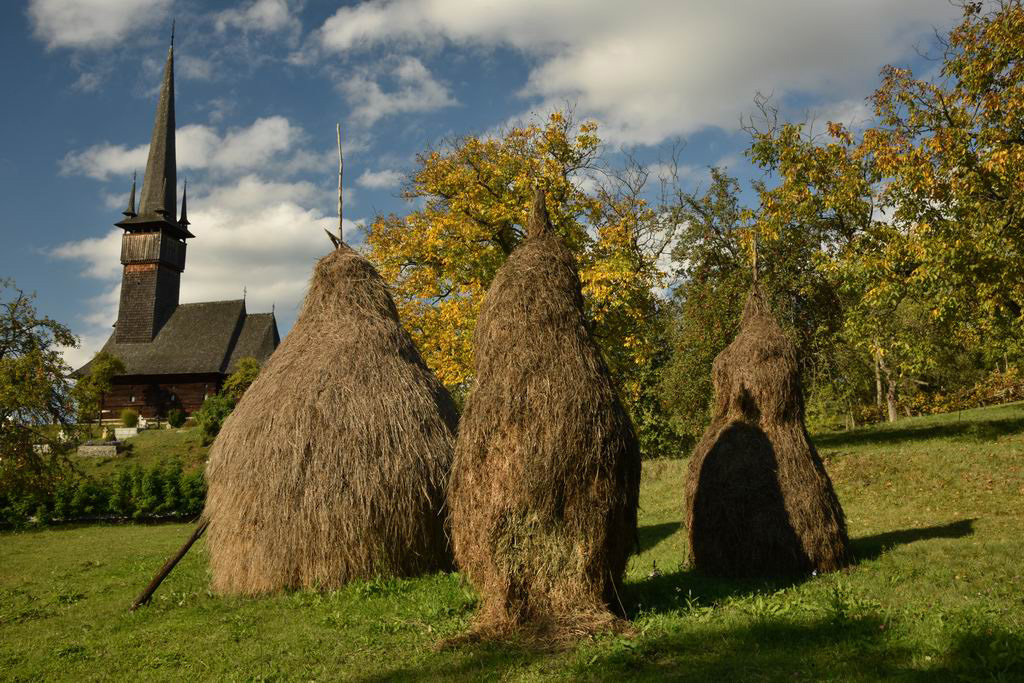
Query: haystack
x,y
543,491
759,502
334,463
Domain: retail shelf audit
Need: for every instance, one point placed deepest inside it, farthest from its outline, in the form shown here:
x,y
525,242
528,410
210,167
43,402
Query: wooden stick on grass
x,y
168,566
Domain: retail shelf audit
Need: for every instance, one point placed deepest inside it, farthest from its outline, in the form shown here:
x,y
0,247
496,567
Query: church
x,y
175,355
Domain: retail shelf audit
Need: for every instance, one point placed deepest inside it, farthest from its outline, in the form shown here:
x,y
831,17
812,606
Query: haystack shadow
x,y
828,647
738,494
669,591
983,431
652,534
871,547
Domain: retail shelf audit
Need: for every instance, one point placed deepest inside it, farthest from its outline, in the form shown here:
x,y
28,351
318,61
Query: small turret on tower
x,y
183,218
130,211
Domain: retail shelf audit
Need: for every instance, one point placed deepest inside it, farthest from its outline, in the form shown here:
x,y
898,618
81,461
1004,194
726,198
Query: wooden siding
x,y
152,247
156,395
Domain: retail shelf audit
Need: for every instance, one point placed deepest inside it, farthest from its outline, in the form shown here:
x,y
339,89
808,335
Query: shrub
x,y
193,493
151,493
121,503
243,376
212,415
171,499
62,499
162,491
129,417
176,418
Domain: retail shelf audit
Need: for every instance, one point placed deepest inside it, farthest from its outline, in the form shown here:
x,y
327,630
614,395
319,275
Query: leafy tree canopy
x,y
35,405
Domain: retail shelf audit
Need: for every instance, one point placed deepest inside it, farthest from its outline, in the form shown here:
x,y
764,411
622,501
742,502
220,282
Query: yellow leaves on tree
x,y
473,197
952,150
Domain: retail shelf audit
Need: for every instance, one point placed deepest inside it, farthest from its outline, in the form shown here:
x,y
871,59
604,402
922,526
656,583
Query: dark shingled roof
x,y
258,339
207,337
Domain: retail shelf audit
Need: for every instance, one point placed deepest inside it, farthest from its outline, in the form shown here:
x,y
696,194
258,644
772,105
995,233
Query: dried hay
x,y
759,502
333,465
544,487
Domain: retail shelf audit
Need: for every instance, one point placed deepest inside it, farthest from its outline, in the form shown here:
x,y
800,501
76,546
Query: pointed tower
x,y
153,244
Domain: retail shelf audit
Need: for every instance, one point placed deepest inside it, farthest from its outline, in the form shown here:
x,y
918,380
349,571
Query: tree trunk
x,y
890,389
878,381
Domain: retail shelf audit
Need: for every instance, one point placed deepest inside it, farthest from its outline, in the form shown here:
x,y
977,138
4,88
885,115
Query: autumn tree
x,y
36,416
473,197
952,152
892,254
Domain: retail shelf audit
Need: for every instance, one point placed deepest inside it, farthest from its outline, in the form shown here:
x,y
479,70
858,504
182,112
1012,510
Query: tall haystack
x,y
334,463
544,487
759,502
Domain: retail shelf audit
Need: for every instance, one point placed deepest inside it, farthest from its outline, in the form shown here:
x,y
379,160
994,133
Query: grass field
x,y
935,507
150,447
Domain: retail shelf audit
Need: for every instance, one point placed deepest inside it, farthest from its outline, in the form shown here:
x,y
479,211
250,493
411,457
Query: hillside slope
x,y
934,507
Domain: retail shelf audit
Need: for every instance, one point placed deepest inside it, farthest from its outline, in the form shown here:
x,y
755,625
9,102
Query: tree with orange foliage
x,y
473,199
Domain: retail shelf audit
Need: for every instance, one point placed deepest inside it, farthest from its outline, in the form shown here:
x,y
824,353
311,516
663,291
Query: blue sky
x,y
261,83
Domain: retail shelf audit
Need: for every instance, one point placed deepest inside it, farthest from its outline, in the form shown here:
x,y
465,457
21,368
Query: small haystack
x,y
759,502
333,465
544,487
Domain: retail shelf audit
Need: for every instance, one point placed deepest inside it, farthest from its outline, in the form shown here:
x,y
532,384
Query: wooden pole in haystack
x,y
341,173
338,240
145,595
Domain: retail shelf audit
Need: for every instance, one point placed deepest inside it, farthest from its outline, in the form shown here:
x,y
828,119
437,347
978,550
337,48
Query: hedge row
x,y
164,491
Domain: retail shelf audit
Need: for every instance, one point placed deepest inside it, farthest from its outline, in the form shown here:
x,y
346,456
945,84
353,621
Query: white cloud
x,y
251,233
197,146
379,180
89,344
416,90
256,145
94,253
92,24
88,81
196,68
657,68
261,15
853,112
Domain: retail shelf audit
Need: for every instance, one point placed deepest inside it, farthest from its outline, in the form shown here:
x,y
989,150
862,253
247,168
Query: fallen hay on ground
x,y
544,487
333,465
759,502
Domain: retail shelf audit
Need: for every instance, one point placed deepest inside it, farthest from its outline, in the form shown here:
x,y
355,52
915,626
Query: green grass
x,y
150,447
934,507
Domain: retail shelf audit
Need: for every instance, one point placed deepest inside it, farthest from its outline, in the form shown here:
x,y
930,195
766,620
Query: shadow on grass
x,y
767,645
671,591
830,647
870,547
653,534
976,430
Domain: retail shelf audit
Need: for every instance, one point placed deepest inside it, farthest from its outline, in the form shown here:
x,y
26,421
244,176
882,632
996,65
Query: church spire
x,y
160,181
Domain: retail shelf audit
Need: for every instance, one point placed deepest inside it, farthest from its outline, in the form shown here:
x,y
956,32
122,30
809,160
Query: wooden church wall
x,y
155,395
